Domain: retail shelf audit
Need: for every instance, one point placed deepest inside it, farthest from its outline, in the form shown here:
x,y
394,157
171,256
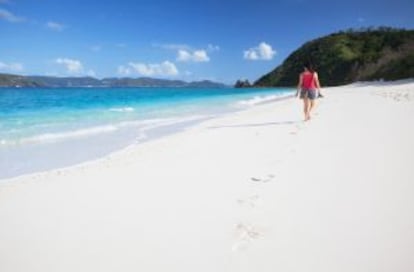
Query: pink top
x,y
308,81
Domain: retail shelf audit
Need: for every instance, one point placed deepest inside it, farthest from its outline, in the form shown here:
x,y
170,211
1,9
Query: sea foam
x,y
124,109
260,100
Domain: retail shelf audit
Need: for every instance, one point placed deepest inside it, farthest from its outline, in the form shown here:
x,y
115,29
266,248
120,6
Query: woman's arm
x,y
318,85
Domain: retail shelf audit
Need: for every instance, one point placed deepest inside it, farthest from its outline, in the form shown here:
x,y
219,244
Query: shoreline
x,y
48,156
254,190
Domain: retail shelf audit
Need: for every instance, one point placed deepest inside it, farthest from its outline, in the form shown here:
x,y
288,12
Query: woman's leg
x,y
312,103
306,108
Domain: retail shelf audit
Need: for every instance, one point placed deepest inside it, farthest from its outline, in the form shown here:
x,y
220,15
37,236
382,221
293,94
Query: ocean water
x,y
42,129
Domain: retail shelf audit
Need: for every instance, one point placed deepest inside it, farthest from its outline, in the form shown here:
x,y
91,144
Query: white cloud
x,y
183,55
91,73
213,48
165,68
200,56
262,52
12,67
124,71
72,66
186,53
251,54
195,56
55,26
10,17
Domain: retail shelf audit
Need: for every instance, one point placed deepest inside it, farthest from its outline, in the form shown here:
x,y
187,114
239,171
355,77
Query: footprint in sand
x,y
265,179
299,126
296,130
245,234
251,201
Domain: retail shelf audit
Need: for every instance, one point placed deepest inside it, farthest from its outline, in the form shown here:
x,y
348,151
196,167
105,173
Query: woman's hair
x,y
308,65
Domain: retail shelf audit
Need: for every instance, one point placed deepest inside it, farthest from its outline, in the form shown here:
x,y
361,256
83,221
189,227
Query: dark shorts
x,y
310,94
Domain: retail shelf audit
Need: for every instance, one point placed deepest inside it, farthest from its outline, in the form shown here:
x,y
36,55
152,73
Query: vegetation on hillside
x,y
16,80
348,56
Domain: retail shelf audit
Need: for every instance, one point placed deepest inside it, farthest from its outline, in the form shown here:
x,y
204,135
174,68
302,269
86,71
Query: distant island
x,y
348,56
9,80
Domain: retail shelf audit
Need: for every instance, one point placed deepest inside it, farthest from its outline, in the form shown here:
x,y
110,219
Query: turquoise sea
x,y
47,128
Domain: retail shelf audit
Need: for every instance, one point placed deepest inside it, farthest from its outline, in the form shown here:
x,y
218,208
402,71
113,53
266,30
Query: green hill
x,y
16,80
349,56
8,80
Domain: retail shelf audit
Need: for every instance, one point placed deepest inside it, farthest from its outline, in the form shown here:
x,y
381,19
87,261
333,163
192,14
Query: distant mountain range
x,y
8,80
354,55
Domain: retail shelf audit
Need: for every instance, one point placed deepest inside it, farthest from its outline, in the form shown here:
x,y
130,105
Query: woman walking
x,y
309,89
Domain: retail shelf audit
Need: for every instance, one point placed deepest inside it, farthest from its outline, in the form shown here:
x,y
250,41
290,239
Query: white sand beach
x,y
258,190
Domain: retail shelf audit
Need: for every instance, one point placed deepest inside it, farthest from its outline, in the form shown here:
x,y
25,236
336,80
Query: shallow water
x,y
42,129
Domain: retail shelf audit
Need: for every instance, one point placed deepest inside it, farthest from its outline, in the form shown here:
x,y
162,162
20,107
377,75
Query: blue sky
x,y
220,40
